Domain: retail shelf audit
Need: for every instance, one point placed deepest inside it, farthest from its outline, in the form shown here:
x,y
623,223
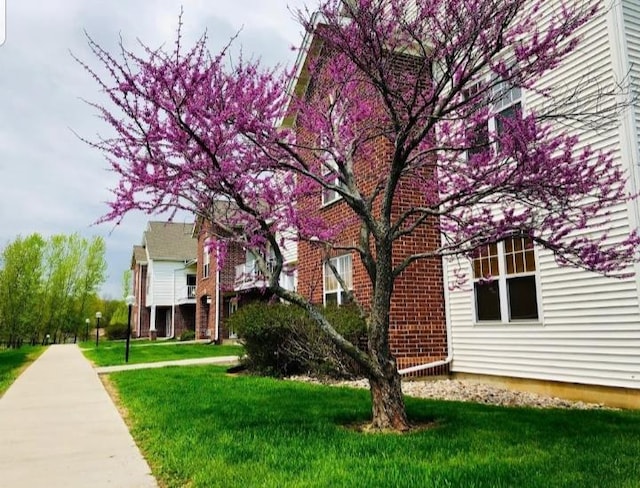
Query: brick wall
x,y
417,317
206,288
140,318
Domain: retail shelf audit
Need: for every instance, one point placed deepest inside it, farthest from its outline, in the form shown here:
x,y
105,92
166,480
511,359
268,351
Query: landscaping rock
x,y
468,391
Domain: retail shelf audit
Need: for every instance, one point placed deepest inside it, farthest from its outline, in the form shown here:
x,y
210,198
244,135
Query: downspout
x,y
173,306
449,358
139,300
216,331
434,364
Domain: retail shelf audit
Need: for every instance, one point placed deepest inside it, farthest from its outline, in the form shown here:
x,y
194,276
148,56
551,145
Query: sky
x,y
50,181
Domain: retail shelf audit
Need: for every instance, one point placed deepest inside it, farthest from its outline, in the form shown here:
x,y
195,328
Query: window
x,y
191,286
207,259
333,178
233,308
333,292
507,105
505,288
337,110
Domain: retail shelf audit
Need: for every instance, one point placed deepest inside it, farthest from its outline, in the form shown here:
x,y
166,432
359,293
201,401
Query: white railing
x,y
186,293
249,276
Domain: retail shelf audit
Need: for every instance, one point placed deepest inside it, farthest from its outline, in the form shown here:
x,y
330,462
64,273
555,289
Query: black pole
x,y
126,350
86,334
97,330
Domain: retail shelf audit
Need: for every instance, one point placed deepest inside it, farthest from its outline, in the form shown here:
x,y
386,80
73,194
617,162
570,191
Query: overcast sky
x,y
51,182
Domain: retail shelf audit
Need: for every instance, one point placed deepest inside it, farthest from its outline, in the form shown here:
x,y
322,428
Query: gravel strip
x,y
468,391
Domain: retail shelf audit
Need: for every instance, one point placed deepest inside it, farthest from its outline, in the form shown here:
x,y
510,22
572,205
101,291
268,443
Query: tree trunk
x,y
388,402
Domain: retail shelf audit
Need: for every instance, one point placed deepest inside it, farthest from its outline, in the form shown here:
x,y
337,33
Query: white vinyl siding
x,y
590,329
631,14
168,282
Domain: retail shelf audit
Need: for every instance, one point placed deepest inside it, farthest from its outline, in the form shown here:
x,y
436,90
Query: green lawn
x,y
199,427
111,353
15,361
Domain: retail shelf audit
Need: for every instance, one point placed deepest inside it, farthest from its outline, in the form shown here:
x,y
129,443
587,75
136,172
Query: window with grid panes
x,y
207,258
333,292
505,286
507,105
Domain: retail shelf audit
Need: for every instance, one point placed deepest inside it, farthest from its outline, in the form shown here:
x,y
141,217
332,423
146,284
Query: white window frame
x,y
330,196
330,166
344,267
206,268
507,97
503,289
233,308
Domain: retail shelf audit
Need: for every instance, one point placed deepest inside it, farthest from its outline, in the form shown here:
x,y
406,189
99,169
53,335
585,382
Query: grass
x,y
199,427
111,353
15,361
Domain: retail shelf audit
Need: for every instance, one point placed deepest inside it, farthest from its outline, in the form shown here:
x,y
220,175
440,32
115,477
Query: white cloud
x,y
50,182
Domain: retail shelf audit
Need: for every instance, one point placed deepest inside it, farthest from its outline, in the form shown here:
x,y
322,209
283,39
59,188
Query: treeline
x,y
48,287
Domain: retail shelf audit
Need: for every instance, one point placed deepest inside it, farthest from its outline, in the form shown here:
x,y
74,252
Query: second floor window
x,y
507,104
206,258
505,281
334,293
328,195
191,286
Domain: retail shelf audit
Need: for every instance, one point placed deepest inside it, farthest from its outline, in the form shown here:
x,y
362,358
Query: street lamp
x,y
130,300
98,317
86,333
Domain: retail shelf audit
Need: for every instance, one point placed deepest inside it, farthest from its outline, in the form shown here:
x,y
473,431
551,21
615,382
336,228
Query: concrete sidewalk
x,y
59,428
220,360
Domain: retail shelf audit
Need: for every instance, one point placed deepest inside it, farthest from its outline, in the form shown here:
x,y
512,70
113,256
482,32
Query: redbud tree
x,y
422,78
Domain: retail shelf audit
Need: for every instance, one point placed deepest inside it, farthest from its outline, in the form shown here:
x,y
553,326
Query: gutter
x,y
433,364
216,330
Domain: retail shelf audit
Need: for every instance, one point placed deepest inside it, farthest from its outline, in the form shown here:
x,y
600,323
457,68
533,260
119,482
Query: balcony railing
x,y
186,294
249,276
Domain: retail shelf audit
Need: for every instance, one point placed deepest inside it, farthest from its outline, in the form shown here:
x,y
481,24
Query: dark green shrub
x,y
116,331
187,335
282,340
264,330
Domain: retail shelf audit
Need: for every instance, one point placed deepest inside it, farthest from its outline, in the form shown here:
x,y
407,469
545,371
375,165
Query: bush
x,y
282,340
116,331
187,335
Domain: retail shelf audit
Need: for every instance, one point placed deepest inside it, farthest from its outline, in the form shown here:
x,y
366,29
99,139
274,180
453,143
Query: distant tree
x,y
122,312
92,275
46,286
417,78
21,268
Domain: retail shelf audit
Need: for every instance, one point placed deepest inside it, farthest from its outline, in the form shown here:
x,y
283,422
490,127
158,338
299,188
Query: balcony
x,y
248,276
186,294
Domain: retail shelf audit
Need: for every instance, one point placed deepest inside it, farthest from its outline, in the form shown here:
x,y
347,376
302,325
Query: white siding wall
x,y
290,255
589,328
162,281
290,247
149,283
631,13
181,288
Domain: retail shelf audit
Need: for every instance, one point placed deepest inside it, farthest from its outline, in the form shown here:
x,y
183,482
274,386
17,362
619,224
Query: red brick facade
x,y
139,312
207,288
417,318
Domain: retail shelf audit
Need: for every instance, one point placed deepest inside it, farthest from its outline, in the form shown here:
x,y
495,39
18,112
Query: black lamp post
x,y
130,300
86,332
98,317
